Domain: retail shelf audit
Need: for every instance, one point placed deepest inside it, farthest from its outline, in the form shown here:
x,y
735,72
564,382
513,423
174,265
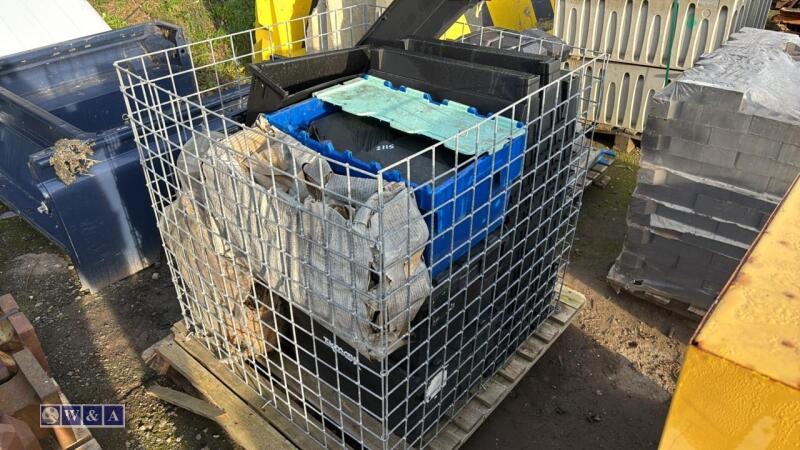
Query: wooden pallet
x,y
600,160
32,384
253,424
624,140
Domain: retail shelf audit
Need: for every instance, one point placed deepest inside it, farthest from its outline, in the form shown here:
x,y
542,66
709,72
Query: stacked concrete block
x,y
720,148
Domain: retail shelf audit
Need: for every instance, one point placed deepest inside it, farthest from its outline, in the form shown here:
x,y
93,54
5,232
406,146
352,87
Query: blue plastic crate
x,y
474,199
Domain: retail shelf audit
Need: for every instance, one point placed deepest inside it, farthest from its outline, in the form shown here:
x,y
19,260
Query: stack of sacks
x,y
720,148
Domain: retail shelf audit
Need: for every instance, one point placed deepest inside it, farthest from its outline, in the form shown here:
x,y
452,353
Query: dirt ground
x,y
606,383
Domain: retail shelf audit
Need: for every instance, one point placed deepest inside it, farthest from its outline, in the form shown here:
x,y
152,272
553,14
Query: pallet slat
x,y
214,379
495,390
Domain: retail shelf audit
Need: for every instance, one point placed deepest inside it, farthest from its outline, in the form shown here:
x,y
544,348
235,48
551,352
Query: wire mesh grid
x,y
366,306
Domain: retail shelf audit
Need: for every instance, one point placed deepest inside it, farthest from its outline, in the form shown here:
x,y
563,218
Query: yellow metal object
x,y
458,29
740,382
512,14
283,37
721,405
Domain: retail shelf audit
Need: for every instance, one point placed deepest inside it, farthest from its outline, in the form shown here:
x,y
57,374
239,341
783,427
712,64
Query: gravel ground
x,y
606,383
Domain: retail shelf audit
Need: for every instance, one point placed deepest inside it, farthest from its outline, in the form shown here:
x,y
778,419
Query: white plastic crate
x,y
637,31
627,91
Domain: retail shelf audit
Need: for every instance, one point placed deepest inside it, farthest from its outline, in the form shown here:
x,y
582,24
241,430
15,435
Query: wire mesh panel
x,y
364,302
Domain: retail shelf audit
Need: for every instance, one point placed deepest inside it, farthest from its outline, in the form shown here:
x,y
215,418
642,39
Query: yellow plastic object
x,y
458,29
281,37
512,14
740,382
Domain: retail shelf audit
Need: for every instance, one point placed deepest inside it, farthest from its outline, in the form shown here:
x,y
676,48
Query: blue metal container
x,y
102,220
460,210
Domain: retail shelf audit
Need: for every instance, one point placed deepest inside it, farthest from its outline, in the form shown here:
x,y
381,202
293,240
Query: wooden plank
x,y
241,389
83,437
445,440
186,401
563,314
336,407
45,387
244,425
525,354
88,445
571,297
470,416
491,392
515,369
495,390
548,331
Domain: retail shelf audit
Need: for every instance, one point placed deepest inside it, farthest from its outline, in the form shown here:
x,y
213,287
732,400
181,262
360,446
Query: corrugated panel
x,y
29,24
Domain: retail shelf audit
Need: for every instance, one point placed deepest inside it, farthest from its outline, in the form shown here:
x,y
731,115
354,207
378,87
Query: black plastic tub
x,y
444,356
277,84
546,67
283,82
424,18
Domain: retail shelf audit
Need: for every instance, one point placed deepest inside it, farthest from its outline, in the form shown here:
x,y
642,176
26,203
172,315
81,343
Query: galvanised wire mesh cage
x,y
365,303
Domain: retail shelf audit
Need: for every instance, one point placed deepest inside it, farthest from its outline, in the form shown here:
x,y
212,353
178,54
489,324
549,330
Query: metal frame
x,y
248,280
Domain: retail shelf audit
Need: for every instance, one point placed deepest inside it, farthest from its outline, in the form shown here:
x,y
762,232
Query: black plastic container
x,y
424,18
489,89
532,41
448,338
283,82
546,67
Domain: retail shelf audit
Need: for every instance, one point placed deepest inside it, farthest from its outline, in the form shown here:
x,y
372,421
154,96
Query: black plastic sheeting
x,y
372,140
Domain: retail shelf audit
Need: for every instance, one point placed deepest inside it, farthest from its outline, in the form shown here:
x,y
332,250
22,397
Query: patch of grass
x,y
114,22
201,20
602,224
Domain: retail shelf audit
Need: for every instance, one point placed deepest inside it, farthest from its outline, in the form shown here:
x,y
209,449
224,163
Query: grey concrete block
x,y
792,135
658,108
630,260
651,176
713,285
732,176
703,153
637,235
779,186
684,111
728,120
682,197
774,129
677,184
790,154
644,281
736,232
713,246
678,128
759,146
646,212
692,220
765,167
724,263
643,206
654,142
723,99
744,143
729,211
